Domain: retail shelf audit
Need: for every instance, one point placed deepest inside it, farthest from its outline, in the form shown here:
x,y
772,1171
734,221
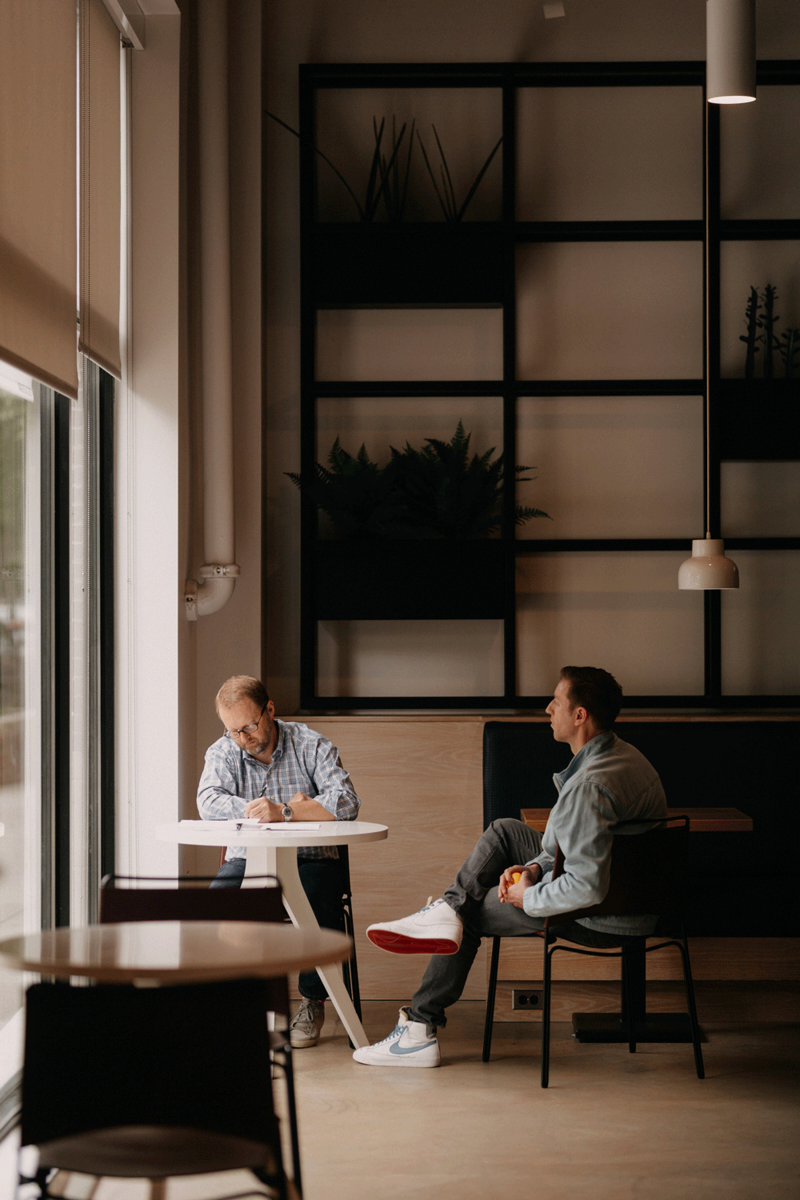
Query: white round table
x,y
166,952
275,853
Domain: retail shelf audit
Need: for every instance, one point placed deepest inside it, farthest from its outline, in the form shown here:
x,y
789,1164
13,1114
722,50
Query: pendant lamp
x,y
730,51
708,569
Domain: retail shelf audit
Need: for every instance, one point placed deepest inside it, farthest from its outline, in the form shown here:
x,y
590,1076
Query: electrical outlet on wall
x,y
525,999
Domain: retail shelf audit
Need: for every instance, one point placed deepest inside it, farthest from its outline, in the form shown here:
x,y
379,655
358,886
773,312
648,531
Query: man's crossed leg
x,y
451,930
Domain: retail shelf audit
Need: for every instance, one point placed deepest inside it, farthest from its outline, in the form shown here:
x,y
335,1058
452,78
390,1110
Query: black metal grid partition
x,y
379,580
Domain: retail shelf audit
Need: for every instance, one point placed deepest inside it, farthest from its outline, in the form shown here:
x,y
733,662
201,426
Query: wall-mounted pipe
x,y
217,577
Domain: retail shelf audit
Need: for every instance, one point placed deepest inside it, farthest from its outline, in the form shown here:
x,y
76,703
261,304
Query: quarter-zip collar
x,y
595,746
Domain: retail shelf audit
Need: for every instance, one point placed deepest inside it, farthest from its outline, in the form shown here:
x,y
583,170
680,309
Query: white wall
x,y
229,642
149,619
169,669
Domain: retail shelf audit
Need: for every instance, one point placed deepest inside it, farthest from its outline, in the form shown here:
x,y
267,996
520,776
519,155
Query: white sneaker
x,y
409,1045
435,929
306,1024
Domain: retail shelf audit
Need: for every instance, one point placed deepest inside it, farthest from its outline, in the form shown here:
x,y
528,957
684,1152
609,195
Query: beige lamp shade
x,y
730,51
708,569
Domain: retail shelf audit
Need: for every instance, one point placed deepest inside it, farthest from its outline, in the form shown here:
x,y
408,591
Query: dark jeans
x,y
474,897
323,883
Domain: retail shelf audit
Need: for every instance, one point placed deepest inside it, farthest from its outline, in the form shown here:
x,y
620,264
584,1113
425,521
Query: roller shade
x,y
100,186
38,210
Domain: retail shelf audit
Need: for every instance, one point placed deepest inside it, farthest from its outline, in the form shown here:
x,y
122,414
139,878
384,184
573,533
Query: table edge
x,y
735,821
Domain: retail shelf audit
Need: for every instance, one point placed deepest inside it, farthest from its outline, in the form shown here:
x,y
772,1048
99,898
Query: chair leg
x,y
546,979
276,1182
490,998
628,1007
690,1003
350,967
288,1074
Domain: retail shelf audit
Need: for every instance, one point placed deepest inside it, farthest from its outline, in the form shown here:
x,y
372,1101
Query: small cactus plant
x,y
760,314
751,337
767,322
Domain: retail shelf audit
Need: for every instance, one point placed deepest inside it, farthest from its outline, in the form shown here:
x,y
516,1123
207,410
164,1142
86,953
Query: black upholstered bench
x,y
742,884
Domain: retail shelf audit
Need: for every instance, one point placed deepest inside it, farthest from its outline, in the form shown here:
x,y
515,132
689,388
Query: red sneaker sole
x,y
398,943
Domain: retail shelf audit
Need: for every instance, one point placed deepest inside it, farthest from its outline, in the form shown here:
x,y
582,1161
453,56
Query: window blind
x,y
38,205
99,186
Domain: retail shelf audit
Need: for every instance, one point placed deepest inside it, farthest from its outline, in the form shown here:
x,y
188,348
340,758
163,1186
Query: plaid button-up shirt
x,y
302,761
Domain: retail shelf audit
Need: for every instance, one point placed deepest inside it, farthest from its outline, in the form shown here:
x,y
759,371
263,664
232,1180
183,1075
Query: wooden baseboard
x,y
740,959
717,1001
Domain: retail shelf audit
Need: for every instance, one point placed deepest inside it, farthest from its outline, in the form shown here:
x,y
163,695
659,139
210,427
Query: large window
x,y
56,678
22,850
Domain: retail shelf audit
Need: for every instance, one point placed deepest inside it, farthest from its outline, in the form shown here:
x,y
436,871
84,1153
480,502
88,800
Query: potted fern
x,y
416,537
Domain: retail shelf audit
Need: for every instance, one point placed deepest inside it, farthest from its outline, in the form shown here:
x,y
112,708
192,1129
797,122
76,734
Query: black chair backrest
x,y
132,898
85,1068
519,762
121,902
648,874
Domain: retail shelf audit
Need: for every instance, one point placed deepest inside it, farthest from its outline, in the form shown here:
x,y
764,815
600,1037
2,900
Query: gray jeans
x,y
473,896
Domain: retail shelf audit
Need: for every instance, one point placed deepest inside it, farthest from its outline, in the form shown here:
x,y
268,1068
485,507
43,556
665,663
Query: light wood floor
x,y
612,1126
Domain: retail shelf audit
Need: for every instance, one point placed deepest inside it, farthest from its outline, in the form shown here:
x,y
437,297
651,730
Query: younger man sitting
x,y
606,783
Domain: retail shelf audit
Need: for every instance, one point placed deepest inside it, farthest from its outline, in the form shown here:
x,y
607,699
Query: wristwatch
x,y
287,812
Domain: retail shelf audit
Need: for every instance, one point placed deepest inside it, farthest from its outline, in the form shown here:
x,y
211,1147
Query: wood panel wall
x,y
422,778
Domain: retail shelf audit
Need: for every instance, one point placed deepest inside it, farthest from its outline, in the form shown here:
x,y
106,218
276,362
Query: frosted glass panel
x,y
468,122
610,310
755,264
612,466
760,499
761,625
622,612
609,154
409,343
410,658
381,423
760,156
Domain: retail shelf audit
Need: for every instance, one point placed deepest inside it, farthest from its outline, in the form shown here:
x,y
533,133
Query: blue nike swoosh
x,y
398,1049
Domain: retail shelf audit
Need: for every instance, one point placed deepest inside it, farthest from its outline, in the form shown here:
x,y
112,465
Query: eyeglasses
x,y
236,733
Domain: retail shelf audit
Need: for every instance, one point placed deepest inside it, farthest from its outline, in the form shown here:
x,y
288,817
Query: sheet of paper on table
x,y
249,824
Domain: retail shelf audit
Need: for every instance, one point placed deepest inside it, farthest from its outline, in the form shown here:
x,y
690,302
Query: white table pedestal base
x,y
281,861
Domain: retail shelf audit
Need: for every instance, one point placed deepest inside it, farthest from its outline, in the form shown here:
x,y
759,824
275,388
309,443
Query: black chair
x,y
350,967
648,875
148,898
134,1082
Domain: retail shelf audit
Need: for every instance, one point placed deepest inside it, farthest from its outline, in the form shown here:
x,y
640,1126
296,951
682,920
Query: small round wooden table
x,y
168,952
151,953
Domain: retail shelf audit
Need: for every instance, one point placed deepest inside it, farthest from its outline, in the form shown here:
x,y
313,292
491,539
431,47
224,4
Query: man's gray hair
x,y
238,688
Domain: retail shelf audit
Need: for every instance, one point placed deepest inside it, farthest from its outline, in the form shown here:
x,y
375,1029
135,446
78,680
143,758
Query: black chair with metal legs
x,y
134,1082
144,898
349,966
649,874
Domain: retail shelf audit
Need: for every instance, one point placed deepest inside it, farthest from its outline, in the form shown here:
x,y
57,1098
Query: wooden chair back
x,y
140,898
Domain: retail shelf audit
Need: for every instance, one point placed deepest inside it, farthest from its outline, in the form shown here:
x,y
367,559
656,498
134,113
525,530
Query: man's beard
x,y
260,747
